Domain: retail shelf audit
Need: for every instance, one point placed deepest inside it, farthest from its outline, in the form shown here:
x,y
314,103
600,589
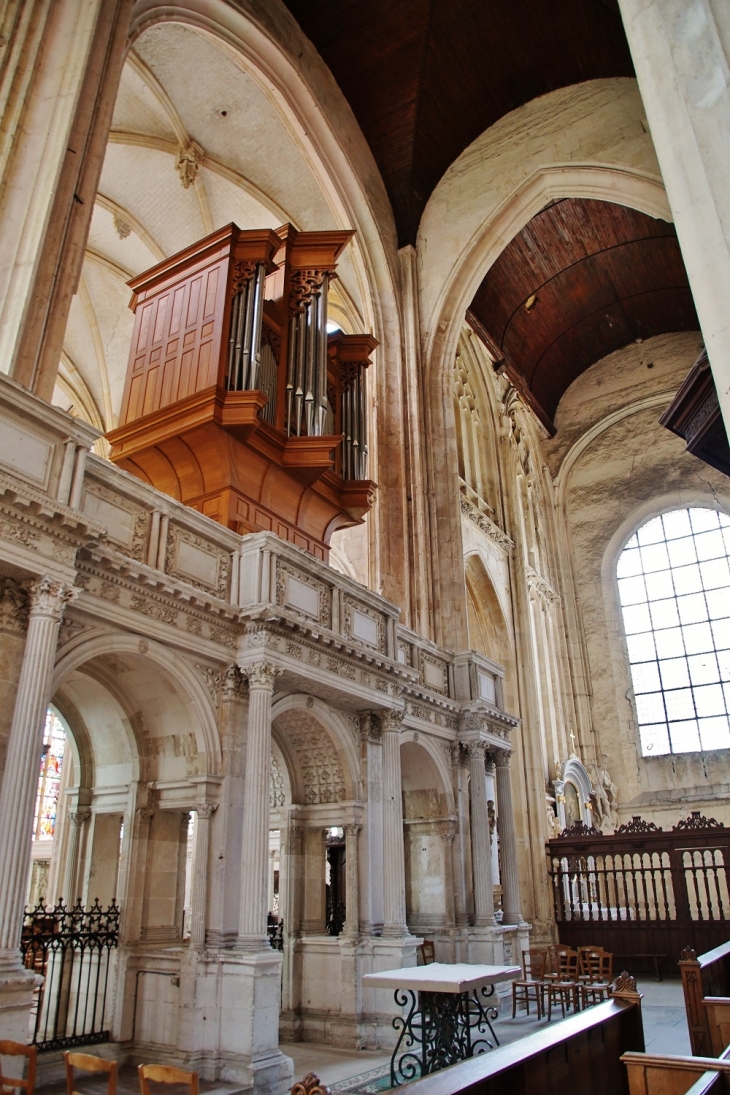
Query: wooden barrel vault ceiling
x,y
424,79
582,279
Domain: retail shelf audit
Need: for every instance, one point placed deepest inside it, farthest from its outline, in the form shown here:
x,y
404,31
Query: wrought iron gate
x,y
71,949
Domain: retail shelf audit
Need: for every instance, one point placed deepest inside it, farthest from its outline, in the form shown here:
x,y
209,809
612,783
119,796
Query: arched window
x,y
49,779
674,586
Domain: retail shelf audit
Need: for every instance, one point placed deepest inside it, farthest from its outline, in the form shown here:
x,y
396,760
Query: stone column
x,y
394,887
492,811
352,885
681,53
199,894
371,838
48,598
463,902
227,823
480,843
506,824
254,871
75,820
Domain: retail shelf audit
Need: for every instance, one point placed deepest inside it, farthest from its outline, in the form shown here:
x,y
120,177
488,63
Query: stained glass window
x,y
674,586
49,779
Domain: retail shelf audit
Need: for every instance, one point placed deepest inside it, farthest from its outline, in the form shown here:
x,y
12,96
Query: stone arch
x,y
267,42
151,663
318,747
584,141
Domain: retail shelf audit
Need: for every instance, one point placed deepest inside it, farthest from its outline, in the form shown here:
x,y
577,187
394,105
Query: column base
x,y
16,1000
250,987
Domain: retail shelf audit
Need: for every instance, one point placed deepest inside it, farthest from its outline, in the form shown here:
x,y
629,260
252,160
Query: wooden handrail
x,y
672,1074
707,959
675,1060
702,976
592,1047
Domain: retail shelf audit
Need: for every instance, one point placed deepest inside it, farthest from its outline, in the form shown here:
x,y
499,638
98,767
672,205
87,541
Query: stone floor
x,y
665,1031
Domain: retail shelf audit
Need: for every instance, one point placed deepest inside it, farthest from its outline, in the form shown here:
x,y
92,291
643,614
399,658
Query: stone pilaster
x,y
480,844
394,894
48,599
352,882
461,856
199,894
254,876
511,902
76,820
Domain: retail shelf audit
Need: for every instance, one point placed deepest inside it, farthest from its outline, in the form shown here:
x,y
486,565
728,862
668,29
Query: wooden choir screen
x,y
642,891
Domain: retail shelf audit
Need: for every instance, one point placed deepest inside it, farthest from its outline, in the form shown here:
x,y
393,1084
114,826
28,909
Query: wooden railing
x,y
706,984
579,1056
641,891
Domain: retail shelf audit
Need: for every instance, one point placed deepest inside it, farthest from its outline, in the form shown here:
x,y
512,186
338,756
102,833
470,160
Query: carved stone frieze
x,y
486,525
542,588
20,534
184,616
13,607
212,680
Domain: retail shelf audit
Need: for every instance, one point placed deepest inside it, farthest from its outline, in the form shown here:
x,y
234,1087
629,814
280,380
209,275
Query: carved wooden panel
x,y
176,341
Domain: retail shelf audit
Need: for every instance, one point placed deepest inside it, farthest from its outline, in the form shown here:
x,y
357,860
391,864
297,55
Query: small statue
x,y
604,795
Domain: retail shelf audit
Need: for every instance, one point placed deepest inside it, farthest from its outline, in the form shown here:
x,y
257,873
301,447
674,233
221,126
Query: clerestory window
x,y
674,586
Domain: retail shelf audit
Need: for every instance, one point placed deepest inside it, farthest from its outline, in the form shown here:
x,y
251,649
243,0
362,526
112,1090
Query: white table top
x,y
441,977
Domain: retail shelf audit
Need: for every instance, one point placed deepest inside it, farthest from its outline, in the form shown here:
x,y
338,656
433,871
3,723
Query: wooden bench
x,y
657,959
580,1055
651,1074
706,985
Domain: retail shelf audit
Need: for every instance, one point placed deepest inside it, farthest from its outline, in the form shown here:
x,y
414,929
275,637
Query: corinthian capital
x,y
391,722
49,598
261,675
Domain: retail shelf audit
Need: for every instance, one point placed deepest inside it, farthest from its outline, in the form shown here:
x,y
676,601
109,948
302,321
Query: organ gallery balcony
x,y
237,402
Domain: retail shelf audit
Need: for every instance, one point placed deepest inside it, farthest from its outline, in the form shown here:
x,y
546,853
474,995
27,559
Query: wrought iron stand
x,y
440,1029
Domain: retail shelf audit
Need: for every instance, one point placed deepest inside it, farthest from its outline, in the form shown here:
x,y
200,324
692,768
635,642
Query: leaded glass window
x,y
49,779
674,586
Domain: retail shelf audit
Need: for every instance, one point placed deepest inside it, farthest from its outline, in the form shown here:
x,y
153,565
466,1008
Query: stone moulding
x,y
486,525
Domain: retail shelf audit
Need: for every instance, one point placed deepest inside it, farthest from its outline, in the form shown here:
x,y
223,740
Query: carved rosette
x,y
304,285
261,676
49,598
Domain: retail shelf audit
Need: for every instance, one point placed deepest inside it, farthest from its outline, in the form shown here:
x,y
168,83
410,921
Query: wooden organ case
x,y
237,402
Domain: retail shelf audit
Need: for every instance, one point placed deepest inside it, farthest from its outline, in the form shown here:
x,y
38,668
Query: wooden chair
x,y
427,951
595,975
533,968
166,1074
562,988
18,1049
88,1063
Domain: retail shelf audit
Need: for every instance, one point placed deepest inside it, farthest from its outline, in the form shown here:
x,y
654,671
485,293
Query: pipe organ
x,y
237,402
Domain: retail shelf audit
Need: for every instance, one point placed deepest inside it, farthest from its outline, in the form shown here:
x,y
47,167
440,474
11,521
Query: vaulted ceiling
x,y
582,279
425,77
